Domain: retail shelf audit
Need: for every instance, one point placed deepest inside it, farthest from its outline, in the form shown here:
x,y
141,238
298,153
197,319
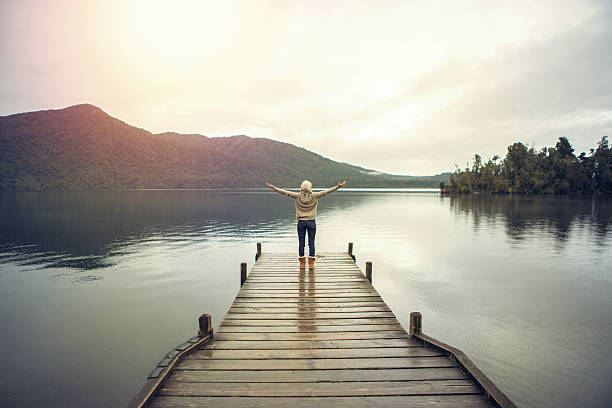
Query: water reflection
x,y
86,230
538,318
522,215
306,302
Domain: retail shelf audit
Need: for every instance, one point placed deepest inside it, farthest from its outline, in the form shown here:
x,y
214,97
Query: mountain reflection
x,y
86,230
522,215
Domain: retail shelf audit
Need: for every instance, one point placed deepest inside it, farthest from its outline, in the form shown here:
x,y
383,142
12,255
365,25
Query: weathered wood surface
x,y
397,374
314,338
416,401
318,389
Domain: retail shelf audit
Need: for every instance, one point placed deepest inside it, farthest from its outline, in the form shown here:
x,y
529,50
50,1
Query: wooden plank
x,y
386,334
342,255
333,278
315,353
301,285
308,291
317,364
284,279
441,401
320,270
305,315
338,306
293,282
289,256
305,285
308,300
294,265
307,309
311,344
297,284
341,389
293,260
254,376
354,296
323,267
328,274
313,312
307,322
308,328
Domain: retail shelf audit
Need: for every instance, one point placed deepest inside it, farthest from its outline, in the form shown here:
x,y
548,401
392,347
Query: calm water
x,y
96,287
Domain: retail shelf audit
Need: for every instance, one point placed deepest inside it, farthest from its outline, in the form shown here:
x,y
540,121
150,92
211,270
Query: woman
x,y
305,212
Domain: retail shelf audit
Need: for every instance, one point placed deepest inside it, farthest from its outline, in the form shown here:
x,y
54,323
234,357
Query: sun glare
x,y
170,30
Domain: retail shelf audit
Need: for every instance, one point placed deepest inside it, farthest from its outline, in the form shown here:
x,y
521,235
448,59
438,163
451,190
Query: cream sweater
x,y
305,202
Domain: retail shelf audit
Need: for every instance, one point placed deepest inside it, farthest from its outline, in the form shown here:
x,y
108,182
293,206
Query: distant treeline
x,y
551,170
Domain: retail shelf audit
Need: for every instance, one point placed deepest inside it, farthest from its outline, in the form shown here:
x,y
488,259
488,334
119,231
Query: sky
x,y
404,87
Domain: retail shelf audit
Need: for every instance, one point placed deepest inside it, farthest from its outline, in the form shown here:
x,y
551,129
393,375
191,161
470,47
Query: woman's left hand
x,y
269,185
341,184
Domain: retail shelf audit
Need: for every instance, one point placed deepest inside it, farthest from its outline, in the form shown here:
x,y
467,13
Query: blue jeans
x,y
302,227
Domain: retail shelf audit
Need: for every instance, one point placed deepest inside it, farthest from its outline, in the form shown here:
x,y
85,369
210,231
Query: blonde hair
x,y
306,186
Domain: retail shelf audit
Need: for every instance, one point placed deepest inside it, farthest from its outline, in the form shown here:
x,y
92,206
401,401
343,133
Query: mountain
x,y
82,147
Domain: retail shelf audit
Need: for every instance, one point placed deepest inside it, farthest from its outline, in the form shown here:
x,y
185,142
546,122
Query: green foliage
x,y
554,170
83,148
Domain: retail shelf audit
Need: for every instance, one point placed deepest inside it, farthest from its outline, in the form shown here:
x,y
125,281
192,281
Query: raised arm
x,y
285,192
331,190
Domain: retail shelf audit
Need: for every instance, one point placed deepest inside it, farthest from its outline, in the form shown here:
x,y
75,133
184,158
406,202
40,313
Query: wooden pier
x,y
300,338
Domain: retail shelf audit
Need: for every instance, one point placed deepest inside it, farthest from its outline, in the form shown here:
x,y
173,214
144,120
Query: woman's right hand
x,y
269,185
341,184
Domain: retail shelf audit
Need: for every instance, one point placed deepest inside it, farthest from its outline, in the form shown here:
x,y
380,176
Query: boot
x,y
311,261
302,262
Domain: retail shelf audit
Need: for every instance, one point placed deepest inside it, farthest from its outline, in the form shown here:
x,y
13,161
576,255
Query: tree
x,y
549,170
602,167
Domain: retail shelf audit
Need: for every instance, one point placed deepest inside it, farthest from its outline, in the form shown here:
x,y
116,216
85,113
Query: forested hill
x,y
81,147
551,170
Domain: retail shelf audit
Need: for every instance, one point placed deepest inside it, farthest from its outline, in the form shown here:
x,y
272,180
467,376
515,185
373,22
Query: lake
x,y
96,287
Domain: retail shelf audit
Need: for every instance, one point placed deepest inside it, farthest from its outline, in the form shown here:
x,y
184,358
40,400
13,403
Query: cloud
x,y
535,92
557,84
